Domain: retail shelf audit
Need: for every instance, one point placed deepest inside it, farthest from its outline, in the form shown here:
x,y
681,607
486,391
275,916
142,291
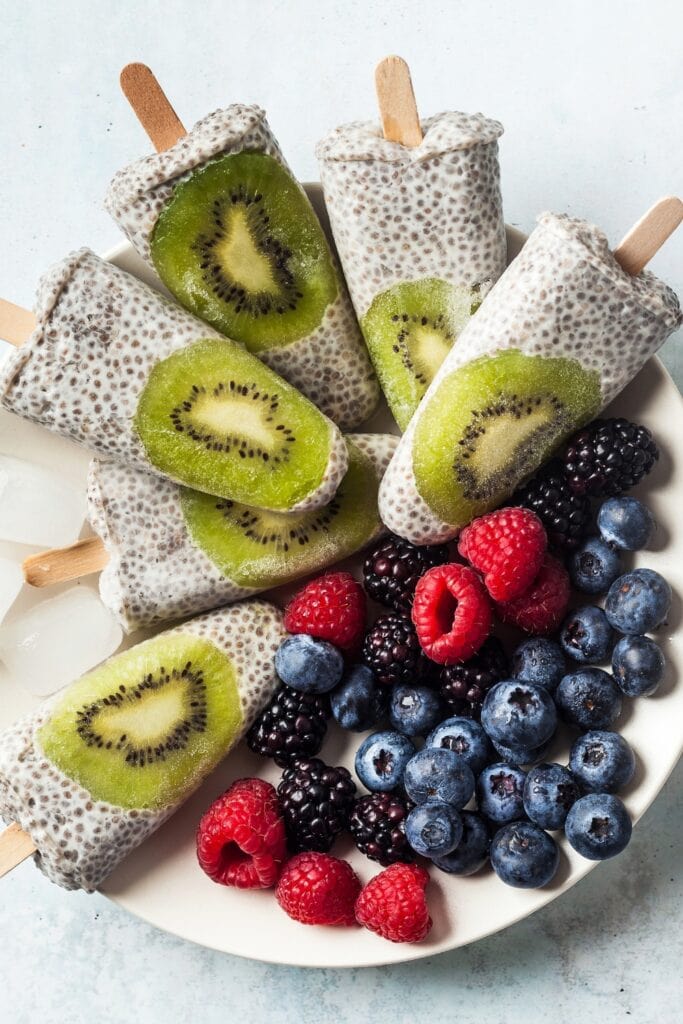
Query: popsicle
x,y
166,552
120,369
417,218
558,337
94,771
231,233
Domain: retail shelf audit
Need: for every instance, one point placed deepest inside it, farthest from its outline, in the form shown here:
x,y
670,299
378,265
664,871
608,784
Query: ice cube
x,y
11,582
37,506
58,640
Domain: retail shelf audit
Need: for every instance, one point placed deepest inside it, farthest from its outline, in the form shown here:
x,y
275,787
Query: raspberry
x,y
241,838
542,608
452,613
332,608
315,888
393,904
507,547
393,567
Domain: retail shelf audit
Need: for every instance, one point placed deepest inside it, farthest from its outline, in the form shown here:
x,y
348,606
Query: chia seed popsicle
x,y
559,336
120,369
97,769
421,238
232,234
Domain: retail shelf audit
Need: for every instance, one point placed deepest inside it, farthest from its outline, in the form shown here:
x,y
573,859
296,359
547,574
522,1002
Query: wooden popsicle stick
x,y
62,564
16,323
396,99
648,235
15,846
151,106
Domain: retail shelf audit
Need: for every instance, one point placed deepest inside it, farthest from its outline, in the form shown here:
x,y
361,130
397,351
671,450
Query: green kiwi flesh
x,y
239,245
491,423
263,549
409,330
141,730
215,418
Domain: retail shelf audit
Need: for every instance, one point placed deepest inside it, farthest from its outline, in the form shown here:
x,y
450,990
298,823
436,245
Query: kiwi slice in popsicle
x,y
239,245
491,423
139,730
409,330
213,417
263,549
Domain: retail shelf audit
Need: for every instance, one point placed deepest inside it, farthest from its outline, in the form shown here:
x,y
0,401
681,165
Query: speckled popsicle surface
x,y
99,333
156,571
565,295
79,839
330,365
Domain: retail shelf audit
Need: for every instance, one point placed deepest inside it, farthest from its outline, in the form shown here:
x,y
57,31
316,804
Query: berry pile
x,y
455,762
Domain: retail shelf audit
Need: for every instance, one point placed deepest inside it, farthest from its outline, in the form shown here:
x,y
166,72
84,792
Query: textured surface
x,y
58,90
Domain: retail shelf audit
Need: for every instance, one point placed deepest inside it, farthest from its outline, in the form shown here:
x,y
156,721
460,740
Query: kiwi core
x,y
251,267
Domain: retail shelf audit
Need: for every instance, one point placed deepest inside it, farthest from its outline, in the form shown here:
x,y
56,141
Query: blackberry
x,y
393,567
316,803
377,825
465,686
292,725
608,457
565,515
391,649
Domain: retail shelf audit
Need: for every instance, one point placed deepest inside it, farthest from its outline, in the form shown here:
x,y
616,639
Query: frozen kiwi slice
x,y
263,549
239,245
491,423
214,417
142,728
409,331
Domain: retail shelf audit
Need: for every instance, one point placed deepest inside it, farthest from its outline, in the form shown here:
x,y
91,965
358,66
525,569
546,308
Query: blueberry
x,y
472,851
381,760
589,699
638,665
517,713
358,703
308,665
541,661
549,792
603,762
466,737
436,773
524,856
638,601
434,829
519,754
414,710
500,789
586,635
598,826
626,523
594,567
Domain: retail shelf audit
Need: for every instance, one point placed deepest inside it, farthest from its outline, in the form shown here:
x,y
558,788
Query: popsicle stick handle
x,y
15,846
151,106
638,247
396,99
16,323
62,564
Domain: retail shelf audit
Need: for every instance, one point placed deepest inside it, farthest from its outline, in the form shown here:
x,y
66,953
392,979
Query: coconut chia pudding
x,y
156,571
79,840
99,334
564,298
329,364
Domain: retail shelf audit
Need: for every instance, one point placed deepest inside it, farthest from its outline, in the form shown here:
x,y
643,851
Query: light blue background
x,y
591,94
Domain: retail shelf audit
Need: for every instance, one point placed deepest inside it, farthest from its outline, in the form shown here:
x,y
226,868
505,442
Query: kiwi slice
x,y
239,245
263,549
409,331
493,422
214,417
141,729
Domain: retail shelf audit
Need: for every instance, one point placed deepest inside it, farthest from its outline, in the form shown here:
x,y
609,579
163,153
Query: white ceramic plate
x,y
161,882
